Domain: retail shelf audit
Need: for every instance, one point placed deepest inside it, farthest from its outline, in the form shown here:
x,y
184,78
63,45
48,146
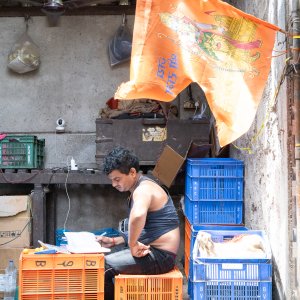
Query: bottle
x,y
11,281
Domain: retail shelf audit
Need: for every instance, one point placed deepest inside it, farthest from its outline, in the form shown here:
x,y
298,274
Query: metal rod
x,y
295,19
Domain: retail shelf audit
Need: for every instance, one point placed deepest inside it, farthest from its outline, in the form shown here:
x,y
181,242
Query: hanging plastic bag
x,y
24,55
119,48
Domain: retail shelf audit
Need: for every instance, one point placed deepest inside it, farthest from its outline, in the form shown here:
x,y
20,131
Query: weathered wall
x,y
266,168
73,82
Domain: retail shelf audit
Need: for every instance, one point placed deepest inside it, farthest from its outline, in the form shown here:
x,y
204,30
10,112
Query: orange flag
x,y
226,51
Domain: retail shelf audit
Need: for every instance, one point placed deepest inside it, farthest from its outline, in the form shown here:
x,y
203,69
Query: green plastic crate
x,y
22,152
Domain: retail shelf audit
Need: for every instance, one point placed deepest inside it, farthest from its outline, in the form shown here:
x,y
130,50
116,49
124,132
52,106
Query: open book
x,y
83,242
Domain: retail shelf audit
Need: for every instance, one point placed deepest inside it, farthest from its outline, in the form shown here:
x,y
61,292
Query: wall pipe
x,y
295,20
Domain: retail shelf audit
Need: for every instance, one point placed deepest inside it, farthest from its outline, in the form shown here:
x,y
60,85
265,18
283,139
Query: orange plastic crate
x,y
187,246
149,287
61,276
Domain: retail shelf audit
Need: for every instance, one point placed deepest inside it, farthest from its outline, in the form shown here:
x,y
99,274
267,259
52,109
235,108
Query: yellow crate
x,y
149,287
61,276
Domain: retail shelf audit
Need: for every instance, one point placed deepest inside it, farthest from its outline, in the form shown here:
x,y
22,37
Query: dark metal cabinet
x,y
147,137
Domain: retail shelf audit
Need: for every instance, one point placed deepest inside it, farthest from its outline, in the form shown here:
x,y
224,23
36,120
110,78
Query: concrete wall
x,y
73,82
266,168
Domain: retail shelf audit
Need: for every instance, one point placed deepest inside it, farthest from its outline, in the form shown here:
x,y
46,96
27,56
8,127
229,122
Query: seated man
x,y
153,237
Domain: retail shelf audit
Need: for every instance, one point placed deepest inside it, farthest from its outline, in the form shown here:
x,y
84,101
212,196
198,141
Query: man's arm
x,y
109,242
141,201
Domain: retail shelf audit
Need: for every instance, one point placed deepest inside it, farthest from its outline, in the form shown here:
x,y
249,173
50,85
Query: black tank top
x,y
158,222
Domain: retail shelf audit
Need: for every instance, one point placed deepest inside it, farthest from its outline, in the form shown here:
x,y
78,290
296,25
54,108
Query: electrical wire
x,y
69,200
19,235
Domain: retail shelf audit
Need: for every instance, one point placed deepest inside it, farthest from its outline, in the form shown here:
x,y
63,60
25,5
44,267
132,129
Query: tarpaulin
x,y
226,51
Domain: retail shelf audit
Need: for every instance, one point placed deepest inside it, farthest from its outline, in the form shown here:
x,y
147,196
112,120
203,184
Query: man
x,y
153,237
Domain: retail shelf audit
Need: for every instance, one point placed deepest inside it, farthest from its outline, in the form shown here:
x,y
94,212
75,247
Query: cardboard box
x,y
6,255
170,161
15,222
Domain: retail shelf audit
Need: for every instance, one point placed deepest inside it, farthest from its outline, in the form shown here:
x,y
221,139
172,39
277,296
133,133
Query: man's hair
x,y
120,159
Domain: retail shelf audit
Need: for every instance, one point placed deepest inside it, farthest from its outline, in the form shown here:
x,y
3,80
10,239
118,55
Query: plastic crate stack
x,y
238,275
214,192
22,152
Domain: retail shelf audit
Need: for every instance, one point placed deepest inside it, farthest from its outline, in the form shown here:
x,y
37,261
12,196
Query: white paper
x,y
83,242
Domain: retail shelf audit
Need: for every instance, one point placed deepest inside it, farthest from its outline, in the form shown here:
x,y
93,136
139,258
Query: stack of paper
x,y
83,242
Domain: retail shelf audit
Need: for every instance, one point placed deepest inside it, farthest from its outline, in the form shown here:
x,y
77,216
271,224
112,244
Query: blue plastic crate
x,y
191,232
230,278
213,212
190,289
214,179
214,188
60,238
231,290
214,167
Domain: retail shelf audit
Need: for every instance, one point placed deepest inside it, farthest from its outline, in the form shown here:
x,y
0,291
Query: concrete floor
x,y
185,295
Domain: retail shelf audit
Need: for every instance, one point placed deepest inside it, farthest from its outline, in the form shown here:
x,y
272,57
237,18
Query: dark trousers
x,y
122,262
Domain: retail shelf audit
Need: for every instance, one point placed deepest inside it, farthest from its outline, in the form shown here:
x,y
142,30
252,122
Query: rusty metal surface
x,y
147,138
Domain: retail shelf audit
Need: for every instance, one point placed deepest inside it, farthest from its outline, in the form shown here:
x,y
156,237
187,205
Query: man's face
x,y
122,182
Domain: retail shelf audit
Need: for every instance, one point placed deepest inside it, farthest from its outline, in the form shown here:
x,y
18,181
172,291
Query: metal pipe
x,y
295,19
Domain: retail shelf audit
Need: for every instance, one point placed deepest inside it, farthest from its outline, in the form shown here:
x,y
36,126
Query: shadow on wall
x,y
92,207
277,289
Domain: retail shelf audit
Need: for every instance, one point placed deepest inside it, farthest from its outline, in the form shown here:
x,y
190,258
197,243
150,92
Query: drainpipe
x,y
295,14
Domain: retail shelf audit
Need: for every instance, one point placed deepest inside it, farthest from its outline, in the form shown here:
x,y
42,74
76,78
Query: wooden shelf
x,y
47,177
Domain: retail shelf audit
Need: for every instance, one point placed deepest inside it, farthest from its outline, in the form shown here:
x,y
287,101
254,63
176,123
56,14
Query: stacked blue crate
x,y
235,277
191,232
214,192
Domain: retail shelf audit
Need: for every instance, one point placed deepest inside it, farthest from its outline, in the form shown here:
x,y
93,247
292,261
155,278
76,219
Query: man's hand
x,y
139,250
106,241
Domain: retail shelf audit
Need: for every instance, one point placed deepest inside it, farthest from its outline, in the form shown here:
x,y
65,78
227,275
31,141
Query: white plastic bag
x,y
24,55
